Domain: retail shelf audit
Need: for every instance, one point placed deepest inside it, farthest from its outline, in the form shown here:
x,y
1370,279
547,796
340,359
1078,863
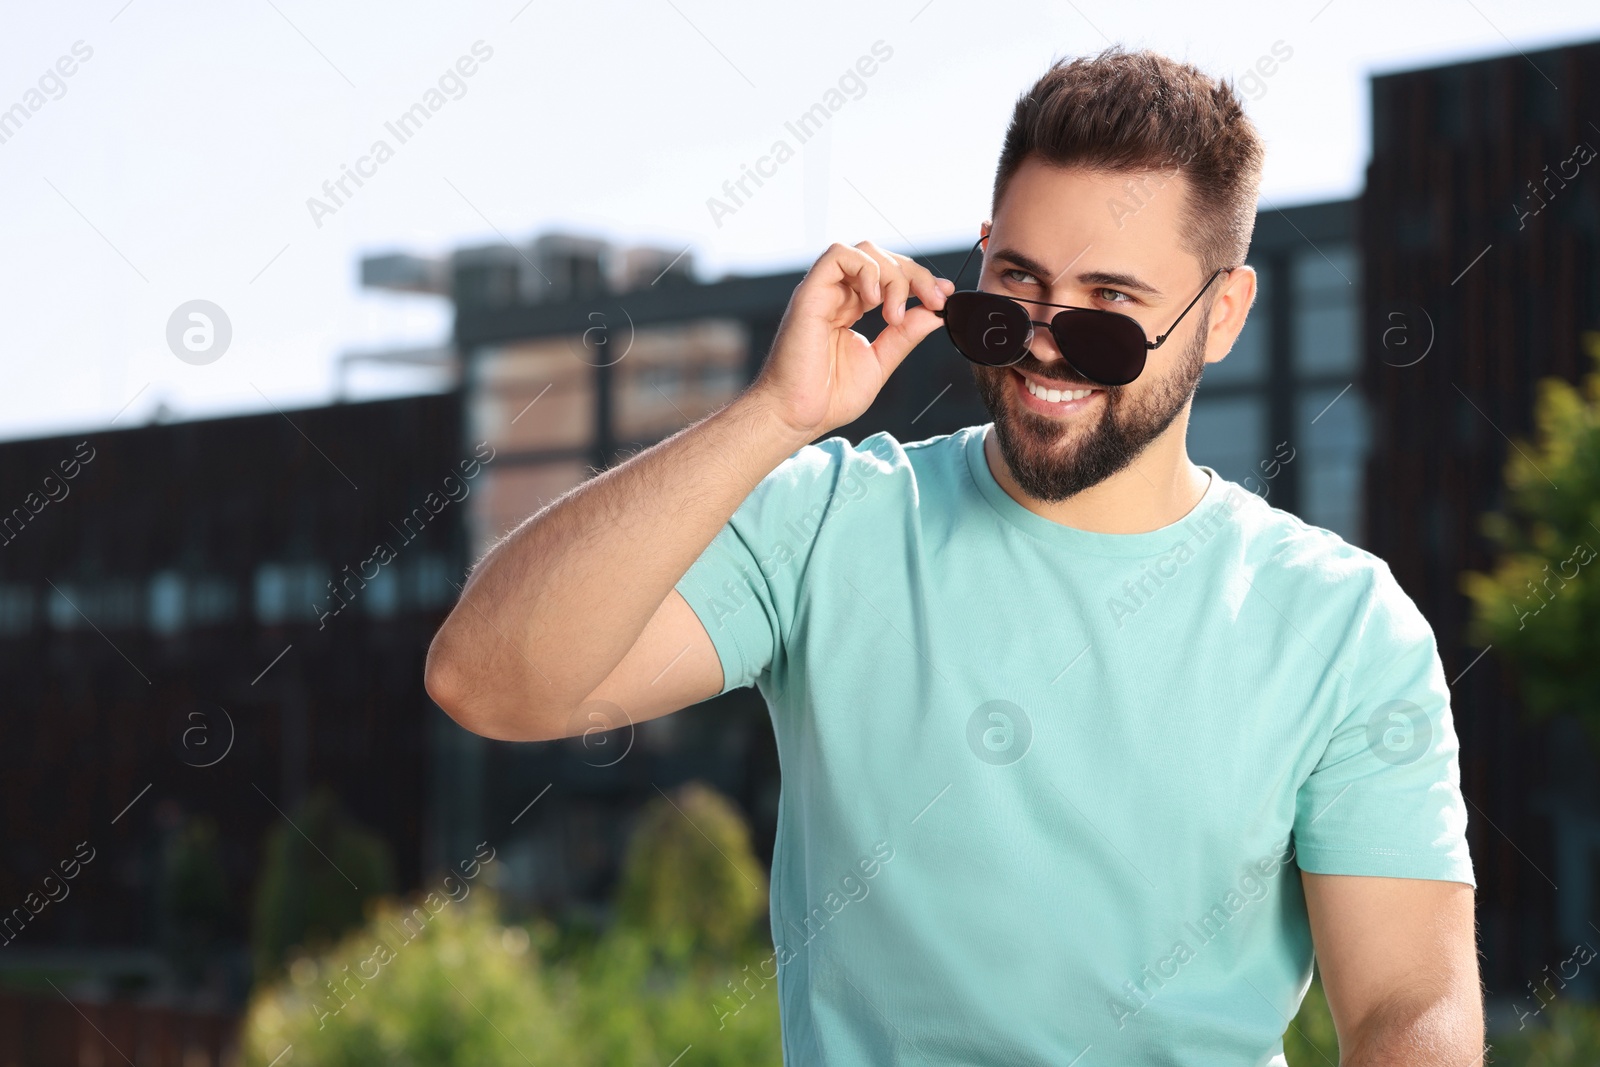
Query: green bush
x,y
1565,1034
309,895
691,887
683,966
631,1009
452,988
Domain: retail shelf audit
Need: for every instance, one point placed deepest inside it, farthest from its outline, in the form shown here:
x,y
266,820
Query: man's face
x,y
1096,240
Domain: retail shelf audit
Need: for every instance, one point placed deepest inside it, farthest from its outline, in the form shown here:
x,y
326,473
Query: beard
x,y
1032,444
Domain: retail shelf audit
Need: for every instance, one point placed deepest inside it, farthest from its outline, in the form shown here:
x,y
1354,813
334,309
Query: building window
x,y
1228,435
117,604
532,395
430,581
291,592
1331,437
1327,305
382,593
677,373
16,610
166,603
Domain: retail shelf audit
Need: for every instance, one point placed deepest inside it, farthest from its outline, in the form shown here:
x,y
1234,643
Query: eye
x,y
1113,296
1007,273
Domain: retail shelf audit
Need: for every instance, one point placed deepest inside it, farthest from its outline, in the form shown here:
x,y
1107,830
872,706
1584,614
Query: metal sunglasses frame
x,y
1032,322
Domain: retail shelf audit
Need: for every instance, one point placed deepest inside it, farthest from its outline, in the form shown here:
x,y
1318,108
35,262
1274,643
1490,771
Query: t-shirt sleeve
x,y
1385,796
745,587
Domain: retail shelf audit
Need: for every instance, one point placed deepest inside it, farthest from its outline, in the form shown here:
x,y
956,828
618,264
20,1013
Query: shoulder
x,y
882,454
1312,561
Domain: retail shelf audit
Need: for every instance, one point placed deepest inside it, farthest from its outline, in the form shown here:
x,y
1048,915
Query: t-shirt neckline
x,y
1146,543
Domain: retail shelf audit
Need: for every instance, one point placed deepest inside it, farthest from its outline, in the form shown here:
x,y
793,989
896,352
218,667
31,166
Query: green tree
x,y
691,885
315,880
1540,605
688,961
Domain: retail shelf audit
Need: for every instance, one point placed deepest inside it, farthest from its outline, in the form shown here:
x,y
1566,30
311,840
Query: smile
x,y
1055,396
1053,400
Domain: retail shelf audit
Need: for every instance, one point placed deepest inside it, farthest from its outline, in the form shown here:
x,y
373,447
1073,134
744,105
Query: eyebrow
x,y
1093,277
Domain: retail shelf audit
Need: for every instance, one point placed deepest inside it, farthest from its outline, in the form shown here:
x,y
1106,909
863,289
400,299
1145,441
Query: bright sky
x,y
176,160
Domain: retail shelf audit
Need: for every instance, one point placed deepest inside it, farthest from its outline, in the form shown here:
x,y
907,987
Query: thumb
x,y
895,342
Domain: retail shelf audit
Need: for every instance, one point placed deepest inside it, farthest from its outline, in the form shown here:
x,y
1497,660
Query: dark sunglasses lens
x,y
1102,345
986,328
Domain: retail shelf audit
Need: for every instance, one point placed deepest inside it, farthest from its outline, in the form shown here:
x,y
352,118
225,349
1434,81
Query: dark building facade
x,y
1480,231
181,639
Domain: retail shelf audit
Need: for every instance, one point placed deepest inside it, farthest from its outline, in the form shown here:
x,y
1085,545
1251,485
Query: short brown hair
x,y
1140,111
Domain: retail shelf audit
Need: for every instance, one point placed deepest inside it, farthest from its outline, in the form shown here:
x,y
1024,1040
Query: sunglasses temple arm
x,y
1162,338
964,262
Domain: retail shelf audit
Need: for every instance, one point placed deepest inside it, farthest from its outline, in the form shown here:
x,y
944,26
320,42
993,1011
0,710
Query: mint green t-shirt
x,y
1047,793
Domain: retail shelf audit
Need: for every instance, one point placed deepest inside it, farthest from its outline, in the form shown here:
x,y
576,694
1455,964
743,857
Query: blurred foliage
x,y
195,905
1540,607
308,898
1566,1034
1310,1041
460,989
632,1009
683,965
691,885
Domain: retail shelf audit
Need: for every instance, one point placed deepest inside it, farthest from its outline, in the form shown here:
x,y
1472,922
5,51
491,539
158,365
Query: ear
x,y
1229,310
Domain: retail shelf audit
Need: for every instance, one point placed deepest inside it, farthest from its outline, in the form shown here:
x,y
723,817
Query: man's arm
x,y
578,603
1399,965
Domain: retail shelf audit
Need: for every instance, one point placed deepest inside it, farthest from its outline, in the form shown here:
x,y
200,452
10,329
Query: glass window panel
x,y
61,611
533,395
1325,338
166,602
1331,442
677,373
430,581
293,592
382,593
16,609
1327,304
1331,267
1228,435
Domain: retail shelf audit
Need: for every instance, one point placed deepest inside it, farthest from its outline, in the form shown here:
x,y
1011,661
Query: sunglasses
x,y
1106,347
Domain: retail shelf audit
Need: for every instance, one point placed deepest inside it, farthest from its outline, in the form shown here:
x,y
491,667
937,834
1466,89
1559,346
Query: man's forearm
x,y
554,606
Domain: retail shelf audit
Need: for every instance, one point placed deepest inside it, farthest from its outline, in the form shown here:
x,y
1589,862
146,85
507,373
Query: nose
x,y
1042,345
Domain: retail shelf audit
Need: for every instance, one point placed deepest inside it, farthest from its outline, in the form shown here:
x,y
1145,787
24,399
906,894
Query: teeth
x,y
1056,396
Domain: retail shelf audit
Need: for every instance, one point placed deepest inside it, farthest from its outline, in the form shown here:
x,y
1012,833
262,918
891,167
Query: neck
x,y
1157,489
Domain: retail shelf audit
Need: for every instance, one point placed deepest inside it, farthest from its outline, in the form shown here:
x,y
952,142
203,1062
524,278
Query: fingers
x,y
896,340
859,272
865,276
901,278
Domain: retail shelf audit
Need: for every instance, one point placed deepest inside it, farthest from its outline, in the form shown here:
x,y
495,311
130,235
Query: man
x,y
1116,743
